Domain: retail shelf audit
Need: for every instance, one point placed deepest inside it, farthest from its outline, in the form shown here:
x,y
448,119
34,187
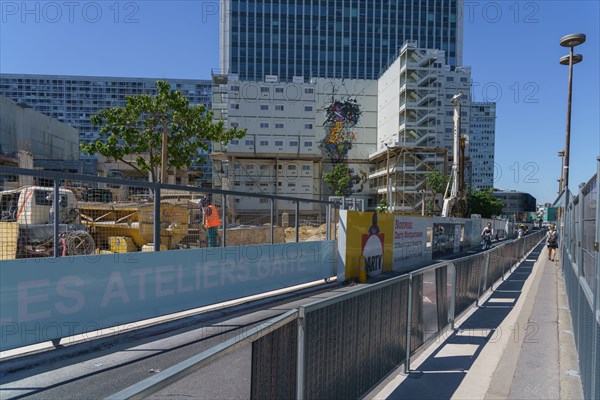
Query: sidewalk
x,y
517,344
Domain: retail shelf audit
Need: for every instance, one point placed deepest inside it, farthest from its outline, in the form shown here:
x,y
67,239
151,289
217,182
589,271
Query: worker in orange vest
x,y
211,221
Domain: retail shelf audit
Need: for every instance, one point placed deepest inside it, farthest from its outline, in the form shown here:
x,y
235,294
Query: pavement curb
x,y
491,374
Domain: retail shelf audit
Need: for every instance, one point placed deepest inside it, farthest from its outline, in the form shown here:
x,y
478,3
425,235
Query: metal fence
x,y
342,346
581,269
99,215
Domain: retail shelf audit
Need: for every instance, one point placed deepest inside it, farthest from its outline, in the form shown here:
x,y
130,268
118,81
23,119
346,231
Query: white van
x,y
33,204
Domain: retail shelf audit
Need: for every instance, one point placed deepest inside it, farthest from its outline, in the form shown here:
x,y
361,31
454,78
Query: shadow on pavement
x,y
441,374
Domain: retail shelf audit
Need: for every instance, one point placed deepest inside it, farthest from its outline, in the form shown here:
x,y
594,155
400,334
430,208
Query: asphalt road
x,y
98,370
115,367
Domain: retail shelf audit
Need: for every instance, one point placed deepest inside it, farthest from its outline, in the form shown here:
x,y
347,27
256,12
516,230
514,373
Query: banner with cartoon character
x,y
382,242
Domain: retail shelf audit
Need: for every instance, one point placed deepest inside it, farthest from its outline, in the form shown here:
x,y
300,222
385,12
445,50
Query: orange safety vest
x,y
211,220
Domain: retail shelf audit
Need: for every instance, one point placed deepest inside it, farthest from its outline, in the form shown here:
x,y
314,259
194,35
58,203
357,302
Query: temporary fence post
x,y
224,242
297,221
56,215
272,206
328,223
157,217
336,220
486,269
408,324
579,236
452,305
300,356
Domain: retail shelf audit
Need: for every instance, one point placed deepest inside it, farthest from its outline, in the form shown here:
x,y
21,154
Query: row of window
x,y
290,167
277,143
267,89
266,125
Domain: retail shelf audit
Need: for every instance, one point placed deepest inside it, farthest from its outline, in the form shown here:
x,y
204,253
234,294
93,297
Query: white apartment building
x,y
482,137
285,149
280,152
415,124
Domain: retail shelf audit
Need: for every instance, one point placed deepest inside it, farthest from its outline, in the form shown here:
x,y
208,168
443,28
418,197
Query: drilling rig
x,y
455,201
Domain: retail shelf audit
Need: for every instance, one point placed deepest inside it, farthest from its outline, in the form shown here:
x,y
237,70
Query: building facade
x,y
74,99
517,205
342,39
415,125
482,139
46,138
30,139
295,132
391,132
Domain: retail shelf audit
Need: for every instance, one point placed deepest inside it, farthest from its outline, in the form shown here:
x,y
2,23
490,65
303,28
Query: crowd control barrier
x,y
342,346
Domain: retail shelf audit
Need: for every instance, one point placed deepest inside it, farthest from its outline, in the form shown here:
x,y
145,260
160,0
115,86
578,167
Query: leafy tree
x,y
339,179
484,203
436,183
383,206
133,133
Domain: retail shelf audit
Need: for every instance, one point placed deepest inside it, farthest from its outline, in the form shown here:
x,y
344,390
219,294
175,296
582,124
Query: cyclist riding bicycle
x,y
486,235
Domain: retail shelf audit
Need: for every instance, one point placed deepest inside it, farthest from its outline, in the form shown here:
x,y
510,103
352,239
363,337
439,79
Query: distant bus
x,y
550,214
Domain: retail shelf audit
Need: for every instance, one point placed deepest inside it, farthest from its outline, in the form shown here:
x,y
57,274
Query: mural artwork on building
x,y
341,117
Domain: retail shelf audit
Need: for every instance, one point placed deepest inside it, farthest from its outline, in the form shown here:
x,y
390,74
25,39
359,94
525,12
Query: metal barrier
x,y
184,368
581,270
98,215
342,346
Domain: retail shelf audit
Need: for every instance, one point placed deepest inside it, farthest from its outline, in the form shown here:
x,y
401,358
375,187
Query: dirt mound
x,y
307,233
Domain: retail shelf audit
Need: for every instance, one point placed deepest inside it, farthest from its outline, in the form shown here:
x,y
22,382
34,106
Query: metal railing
x,y
342,346
108,215
581,270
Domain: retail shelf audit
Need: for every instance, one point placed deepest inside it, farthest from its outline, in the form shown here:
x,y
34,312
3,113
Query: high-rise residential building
x,y
415,124
482,137
296,40
74,99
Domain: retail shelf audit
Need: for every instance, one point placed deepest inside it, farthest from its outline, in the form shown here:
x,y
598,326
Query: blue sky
x,y
512,47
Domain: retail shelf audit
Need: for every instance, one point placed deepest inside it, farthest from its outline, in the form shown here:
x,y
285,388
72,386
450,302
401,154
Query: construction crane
x,y
454,182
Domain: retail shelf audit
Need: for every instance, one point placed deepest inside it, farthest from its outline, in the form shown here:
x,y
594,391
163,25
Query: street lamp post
x,y
561,154
570,41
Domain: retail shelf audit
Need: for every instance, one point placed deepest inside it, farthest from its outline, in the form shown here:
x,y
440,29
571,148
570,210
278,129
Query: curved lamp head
x,y
577,58
572,40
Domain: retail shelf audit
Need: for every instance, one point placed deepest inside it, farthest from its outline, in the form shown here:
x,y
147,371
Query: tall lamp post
x,y
561,154
570,41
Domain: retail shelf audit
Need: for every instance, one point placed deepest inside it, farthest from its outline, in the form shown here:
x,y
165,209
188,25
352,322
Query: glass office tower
x,y
352,39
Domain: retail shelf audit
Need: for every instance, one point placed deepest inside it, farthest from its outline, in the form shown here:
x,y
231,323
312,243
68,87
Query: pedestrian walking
x,y
211,221
552,242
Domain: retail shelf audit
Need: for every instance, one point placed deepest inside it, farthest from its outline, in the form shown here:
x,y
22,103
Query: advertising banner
x,y
368,241
410,241
383,242
447,238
